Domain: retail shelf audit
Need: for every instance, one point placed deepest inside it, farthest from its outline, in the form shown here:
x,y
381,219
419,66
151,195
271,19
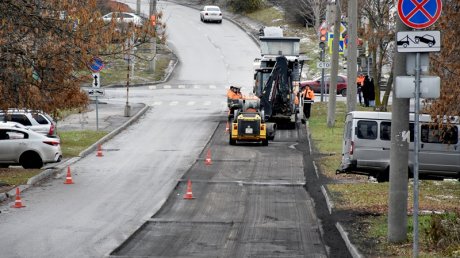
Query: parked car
x,y
22,146
427,39
315,84
211,13
125,17
35,120
366,146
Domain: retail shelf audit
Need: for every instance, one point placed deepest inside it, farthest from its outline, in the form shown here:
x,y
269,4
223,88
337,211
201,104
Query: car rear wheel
x,y
30,160
343,92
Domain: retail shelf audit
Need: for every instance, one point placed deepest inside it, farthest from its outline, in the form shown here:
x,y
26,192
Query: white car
x,y
19,145
211,13
120,17
37,121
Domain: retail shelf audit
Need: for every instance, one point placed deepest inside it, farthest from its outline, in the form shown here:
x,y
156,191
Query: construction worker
x,y
360,84
232,93
238,92
309,95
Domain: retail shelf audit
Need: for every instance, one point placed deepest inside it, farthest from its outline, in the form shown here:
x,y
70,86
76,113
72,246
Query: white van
x,y
367,142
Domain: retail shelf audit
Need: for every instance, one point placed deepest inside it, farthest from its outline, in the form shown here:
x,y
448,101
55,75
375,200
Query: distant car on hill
x,y
211,13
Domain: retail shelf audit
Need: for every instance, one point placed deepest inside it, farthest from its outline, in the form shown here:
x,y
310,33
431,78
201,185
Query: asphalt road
x,y
250,202
115,194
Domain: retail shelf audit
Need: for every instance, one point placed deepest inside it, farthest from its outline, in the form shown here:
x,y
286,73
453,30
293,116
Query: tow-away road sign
x,y
95,92
418,41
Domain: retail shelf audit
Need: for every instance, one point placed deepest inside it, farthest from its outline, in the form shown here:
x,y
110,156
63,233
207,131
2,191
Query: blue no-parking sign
x,y
419,14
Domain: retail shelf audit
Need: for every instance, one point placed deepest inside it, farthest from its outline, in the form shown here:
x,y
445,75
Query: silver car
x,y
37,121
211,13
19,145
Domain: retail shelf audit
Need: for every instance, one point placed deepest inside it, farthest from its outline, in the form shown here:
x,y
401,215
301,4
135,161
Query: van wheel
x,y
30,160
265,142
383,176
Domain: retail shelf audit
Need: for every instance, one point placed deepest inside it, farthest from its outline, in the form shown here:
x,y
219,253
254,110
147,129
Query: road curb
x,y
351,248
47,173
114,132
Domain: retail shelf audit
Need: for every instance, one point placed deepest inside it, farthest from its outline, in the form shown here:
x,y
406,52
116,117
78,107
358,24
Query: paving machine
x,y
248,124
277,78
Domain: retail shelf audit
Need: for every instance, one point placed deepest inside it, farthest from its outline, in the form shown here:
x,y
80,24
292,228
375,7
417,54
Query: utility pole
x,y
352,55
334,68
153,41
399,154
138,7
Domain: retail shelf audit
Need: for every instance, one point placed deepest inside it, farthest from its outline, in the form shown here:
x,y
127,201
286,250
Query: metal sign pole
x,y
97,113
322,75
416,150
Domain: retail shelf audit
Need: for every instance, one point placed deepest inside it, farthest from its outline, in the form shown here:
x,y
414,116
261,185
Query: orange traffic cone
x,y
189,195
18,202
99,151
68,178
227,128
208,160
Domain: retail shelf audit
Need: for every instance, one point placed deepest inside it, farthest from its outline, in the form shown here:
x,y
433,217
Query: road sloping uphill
x,y
250,202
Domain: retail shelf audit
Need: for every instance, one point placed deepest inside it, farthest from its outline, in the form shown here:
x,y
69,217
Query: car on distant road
x,y
427,39
37,121
123,17
315,84
22,146
211,13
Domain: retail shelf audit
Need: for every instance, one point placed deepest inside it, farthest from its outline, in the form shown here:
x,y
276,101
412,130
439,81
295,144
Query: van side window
x,y
385,131
367,130
434,134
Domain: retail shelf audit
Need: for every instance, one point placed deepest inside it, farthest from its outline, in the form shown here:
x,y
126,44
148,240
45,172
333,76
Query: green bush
x,y
245,6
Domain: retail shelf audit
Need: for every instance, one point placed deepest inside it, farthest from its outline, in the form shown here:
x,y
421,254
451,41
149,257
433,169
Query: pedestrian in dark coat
x,y
366,90
372,93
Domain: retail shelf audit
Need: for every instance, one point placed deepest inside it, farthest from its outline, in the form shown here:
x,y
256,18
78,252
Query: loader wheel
x,y
230,140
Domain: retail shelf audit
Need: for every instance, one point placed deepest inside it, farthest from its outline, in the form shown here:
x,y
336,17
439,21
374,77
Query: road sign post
x,y
418,15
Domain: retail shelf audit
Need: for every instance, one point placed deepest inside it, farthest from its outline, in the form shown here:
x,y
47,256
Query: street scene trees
x,y
46,47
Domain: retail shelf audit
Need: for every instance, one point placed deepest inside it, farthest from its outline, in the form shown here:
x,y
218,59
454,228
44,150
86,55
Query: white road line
x,y
174,103
212,86
181,86
190,103
167,87
196,86
157,103
153,87
207,103
329,203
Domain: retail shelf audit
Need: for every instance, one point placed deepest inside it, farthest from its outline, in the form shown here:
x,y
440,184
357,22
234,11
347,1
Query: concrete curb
x,y
114,132
47,173
351,248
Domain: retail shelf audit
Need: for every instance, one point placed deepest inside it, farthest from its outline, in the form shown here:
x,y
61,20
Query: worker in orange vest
x,y
232,93
360,84
309,95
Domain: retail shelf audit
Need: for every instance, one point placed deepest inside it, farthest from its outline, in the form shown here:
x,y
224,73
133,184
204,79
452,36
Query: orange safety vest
x,y
232,95
308,93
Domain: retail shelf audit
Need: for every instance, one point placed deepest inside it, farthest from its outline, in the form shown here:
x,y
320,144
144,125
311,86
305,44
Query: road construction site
x,y
248,201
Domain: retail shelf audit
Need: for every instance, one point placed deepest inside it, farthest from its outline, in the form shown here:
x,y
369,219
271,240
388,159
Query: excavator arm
x,y
277,90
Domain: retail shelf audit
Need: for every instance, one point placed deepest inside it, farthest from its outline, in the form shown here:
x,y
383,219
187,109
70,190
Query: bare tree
x,y
310,12
379,32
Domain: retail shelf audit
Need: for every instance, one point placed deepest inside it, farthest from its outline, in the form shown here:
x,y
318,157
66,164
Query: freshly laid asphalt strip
x,y
250,202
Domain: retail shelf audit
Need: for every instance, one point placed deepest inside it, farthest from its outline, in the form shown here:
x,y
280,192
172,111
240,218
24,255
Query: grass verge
x,y
439,234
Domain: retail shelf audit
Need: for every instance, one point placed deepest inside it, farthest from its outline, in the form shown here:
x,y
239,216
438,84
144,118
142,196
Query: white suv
x,y
35,120
19,145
